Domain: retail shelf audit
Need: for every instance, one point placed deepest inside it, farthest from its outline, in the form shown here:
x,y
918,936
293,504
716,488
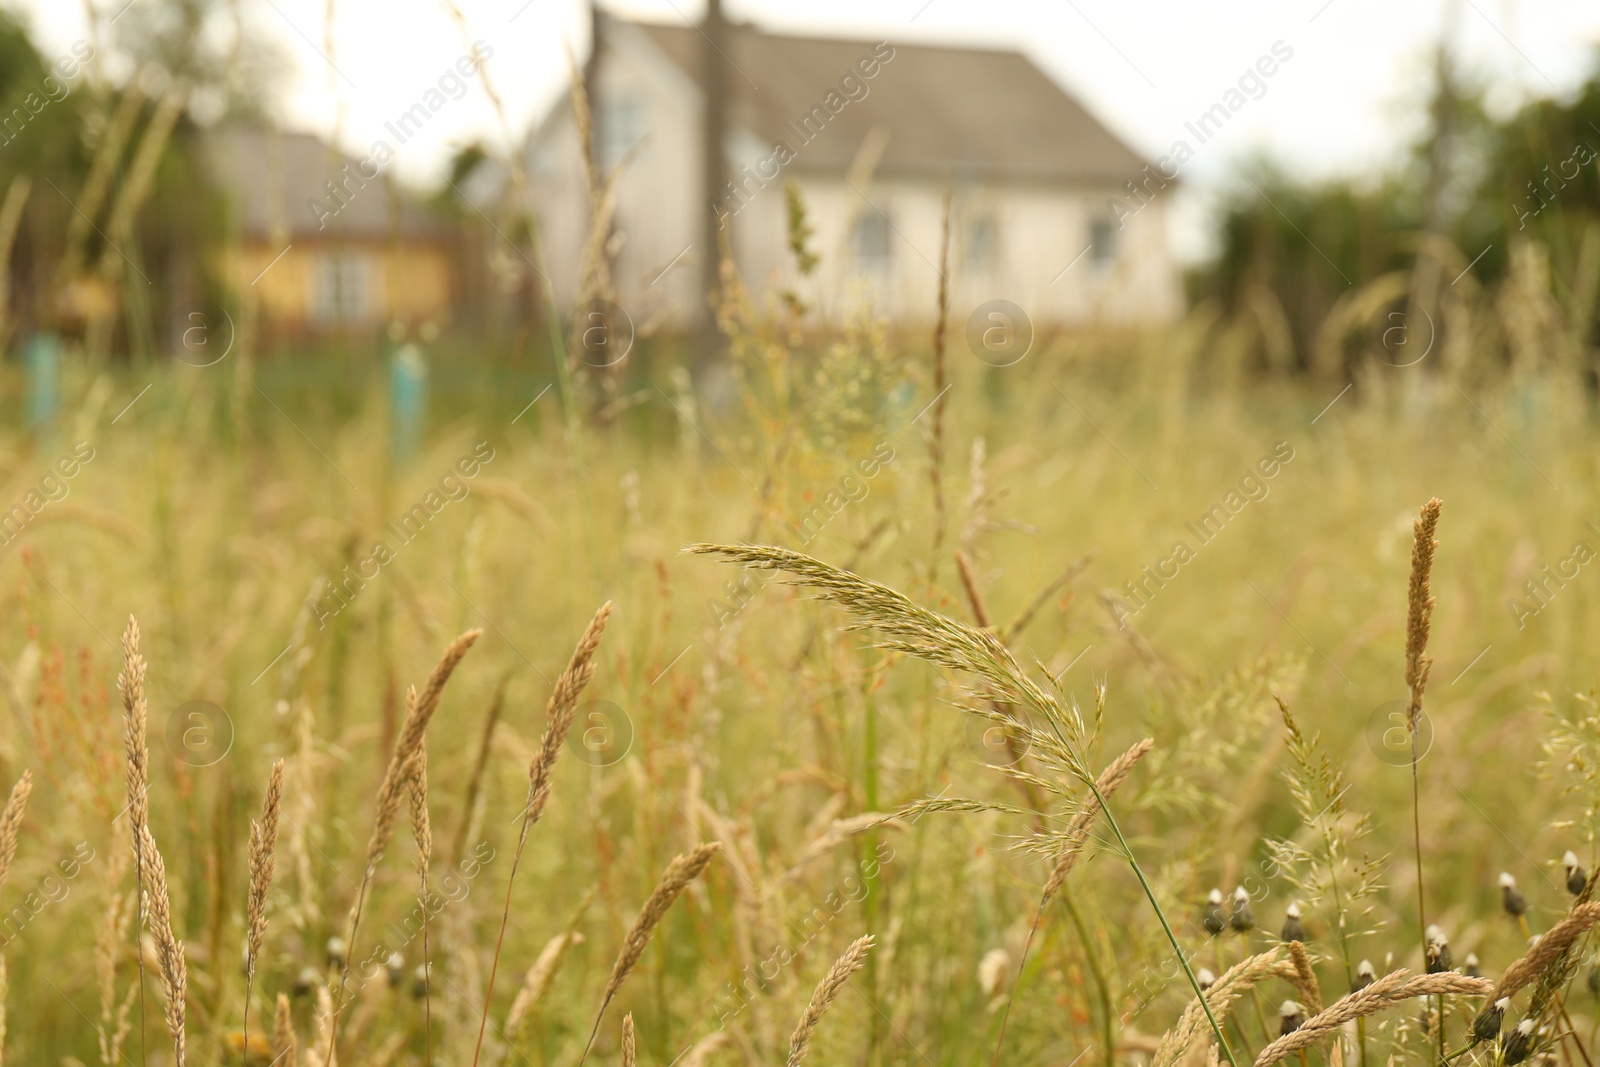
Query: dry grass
x,y
840,769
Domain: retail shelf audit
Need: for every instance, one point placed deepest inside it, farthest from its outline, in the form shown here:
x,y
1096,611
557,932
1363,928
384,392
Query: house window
x,y
980,244
871,243
1102,242
343,288
622,127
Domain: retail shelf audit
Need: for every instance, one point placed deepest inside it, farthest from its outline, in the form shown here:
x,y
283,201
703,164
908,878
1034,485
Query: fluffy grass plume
x,y
914,630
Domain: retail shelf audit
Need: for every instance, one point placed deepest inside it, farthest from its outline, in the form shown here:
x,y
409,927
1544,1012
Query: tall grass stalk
x,y
1419,617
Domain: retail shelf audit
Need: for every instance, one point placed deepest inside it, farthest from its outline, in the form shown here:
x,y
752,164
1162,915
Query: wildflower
x,y
395,965
305,982
1486,1027
1213,919
1205,978
1577,878
1292,1019
1365,976
1438,951
419,981
1242,918
1518,1043
1292,928
1511,897
336,952
1471,968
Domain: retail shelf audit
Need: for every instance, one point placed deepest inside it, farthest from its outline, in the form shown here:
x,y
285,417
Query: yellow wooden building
x,y
324,243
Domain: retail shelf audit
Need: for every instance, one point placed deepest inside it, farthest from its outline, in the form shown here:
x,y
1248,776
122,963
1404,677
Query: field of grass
x,y
1163,545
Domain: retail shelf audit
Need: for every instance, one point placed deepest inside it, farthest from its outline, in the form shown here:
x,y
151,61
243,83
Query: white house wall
x,y
1038,229
1037,232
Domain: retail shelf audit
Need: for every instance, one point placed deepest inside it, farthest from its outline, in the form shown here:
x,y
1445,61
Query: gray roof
x,y
946,110
269,178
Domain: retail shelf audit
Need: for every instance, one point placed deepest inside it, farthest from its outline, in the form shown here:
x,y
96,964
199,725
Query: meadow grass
x,y
815,786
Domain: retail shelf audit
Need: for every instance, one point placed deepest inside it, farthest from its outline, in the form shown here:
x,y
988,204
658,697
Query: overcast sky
x,y
1346,102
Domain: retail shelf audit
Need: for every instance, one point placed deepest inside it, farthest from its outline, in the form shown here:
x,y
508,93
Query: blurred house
x,y
326,242
1051,209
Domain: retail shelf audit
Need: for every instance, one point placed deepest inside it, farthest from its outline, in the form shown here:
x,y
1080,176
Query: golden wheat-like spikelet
x,y
422,832
541,769
263,853
1078,830
284,1051
823,996
1393,988
630,1053
674,880
1305,982
558,716
419,713
1235,982
169,950
11,822
417,794
1548,950
1419,606
136,714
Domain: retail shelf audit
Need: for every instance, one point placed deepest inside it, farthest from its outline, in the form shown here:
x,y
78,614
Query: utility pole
x,y
714,168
